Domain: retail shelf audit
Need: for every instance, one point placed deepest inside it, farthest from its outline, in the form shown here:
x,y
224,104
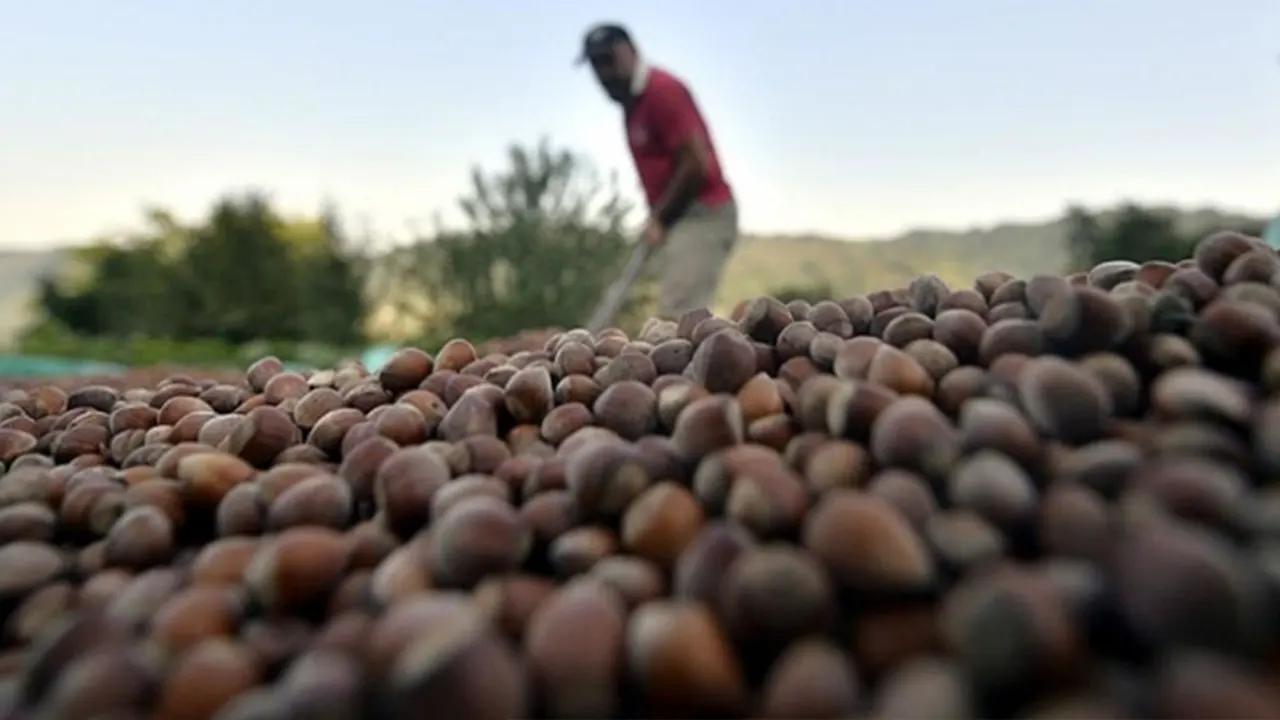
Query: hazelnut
x,y
993,486
161,493
811,679
682,662
836,463
223,562
866,543
1064,401
242,511
263,370
207,679
141,538
194,615
1024,337
859,311
477,537
723,362
577,550
769,501
912,433
132,416
995,425
459,668
98,397
315,405
25,565
177,408
473,414
576,673
1215,253
405,369
564,420
207,477
907,492
464,487
635,579
548,514
529,396
661,522
298,567
329,430
854,358
320,499
404,485
360,466
774,594
455,355
260,436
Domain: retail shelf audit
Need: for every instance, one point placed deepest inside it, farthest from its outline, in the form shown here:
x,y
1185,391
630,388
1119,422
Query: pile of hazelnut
x,y
1045,497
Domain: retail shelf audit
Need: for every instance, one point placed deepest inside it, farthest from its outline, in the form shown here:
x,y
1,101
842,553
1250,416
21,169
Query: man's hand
x,y
654,234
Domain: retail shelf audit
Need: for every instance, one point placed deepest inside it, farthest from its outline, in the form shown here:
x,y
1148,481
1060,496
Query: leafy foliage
x,y
245,274
543,239
1135,233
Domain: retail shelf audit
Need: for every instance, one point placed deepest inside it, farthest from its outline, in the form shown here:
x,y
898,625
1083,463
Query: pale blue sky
x,y
856,119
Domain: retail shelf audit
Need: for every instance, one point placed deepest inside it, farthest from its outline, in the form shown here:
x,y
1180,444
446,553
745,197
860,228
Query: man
x,y
693,218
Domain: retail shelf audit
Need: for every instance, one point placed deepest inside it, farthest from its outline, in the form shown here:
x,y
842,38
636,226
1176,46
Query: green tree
x,y
244,274
543,239
1136,234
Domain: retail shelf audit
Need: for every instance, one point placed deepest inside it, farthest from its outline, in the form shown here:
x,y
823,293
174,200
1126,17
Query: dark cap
x,y
601,38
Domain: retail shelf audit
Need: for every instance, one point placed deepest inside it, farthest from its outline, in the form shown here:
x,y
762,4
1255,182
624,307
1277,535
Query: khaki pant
x,y
689,265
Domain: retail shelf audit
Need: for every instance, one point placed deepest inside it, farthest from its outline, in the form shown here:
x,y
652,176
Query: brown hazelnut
x,y
866,543
723,362
464,487
161,493
549,514
812,679
177,408
194,615
455,355
477,537
405,369
564,420
1215,253
576,673
223,561
328,432
577,388
242,511
773,594
575,551
682,661
474,413
836,463
404,485
142,537
321,499
661,522
99,397
298,567
769,501
995,425
1064,401
206,477
627,407
315,405
263,433
206,679
459,668
510,601
635,579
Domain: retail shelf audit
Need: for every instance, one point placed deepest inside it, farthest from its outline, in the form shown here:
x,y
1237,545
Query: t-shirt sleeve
x,y
675,117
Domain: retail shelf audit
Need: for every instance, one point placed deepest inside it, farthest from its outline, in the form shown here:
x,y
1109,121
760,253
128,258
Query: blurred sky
x,y
856,119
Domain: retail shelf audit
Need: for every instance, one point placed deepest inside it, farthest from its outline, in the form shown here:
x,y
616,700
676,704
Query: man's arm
x,y
693,165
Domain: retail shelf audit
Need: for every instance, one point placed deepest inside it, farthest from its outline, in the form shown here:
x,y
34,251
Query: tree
x,y
244,274
1135,234
543,239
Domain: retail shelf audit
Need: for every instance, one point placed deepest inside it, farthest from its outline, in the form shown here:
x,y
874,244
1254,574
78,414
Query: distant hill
x,y
771,263
764,264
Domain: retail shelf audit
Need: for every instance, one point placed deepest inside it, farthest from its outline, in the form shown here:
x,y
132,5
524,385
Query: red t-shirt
x,y
660,120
